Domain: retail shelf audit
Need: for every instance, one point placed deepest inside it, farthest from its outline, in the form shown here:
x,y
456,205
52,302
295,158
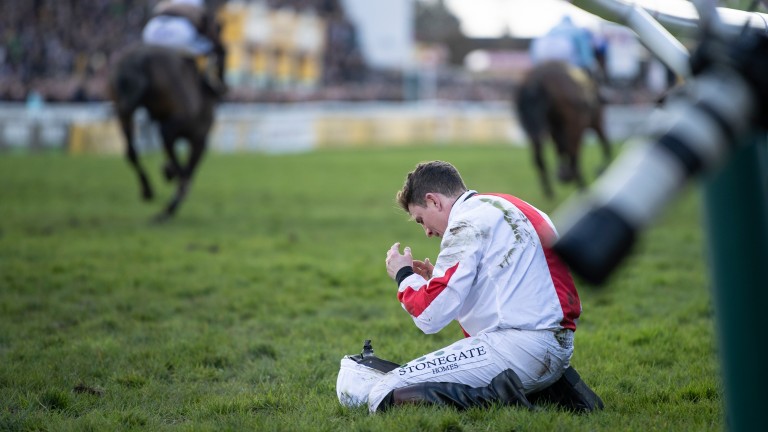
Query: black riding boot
x,y
504,389
569,392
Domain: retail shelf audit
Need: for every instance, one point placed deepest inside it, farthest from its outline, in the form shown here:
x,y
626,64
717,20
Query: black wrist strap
x,y
403,273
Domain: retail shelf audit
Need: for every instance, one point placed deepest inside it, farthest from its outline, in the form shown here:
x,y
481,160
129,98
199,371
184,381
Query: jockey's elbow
x,y
428,327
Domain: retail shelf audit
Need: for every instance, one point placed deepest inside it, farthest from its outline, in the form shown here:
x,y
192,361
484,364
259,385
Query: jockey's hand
x,y
396,260
423,268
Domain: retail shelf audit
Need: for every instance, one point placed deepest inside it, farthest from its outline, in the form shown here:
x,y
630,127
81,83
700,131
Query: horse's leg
x,y
172,168
532,105
197,148
567,138
538,159
605,145
575,168
574,135
564,148
126,124
169,133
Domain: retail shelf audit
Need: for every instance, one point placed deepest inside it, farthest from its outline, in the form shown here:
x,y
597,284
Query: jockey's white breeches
x,y
176,32
538,357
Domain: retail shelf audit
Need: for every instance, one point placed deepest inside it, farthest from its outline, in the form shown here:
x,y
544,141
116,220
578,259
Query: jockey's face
x,y
433,216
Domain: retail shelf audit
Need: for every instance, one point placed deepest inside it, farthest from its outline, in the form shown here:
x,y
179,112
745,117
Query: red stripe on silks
x,y
415,301
466,335
561,277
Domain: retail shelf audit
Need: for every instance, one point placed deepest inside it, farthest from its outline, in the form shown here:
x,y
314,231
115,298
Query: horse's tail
x,y
532,105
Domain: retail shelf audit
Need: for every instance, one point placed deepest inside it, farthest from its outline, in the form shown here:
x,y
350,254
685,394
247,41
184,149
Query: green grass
x,y
234,315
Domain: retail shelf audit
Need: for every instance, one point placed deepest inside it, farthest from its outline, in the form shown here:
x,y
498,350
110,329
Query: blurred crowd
x,y
388,86
60,51
60,48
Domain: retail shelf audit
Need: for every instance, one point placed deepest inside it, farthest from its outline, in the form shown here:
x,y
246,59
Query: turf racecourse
x,y
234,315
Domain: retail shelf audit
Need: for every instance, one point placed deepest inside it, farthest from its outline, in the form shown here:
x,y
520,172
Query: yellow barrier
x,y
402,129
102,137
274,132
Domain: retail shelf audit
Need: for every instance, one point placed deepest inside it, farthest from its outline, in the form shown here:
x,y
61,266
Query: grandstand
x,y
322,53
278,51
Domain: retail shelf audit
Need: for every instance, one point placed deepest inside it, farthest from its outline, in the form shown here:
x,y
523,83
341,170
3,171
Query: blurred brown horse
x,y
171,88
560,101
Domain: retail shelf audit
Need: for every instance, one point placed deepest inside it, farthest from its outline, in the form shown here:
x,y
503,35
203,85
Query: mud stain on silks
x,y
507,257
462,234
546,365
465,231
513,217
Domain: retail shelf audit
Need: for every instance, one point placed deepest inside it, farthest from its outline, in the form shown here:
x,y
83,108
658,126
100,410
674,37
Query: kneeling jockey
x,y
187,26
495,274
